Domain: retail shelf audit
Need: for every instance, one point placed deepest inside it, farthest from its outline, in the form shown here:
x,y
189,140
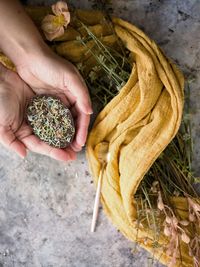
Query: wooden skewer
x,y
104,160
97,200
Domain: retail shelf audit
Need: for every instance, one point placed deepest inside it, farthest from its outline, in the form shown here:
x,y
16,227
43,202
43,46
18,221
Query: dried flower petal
x,y
185,238
48,24
59,8
53,35
67,18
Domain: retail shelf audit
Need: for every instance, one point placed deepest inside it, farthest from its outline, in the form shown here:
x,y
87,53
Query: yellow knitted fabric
x,y
136,125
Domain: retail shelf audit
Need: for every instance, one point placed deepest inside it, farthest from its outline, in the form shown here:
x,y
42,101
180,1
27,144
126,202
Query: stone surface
x,y
46,206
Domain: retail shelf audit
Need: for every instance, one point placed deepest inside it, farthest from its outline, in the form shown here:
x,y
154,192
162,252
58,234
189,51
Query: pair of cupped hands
x,y
43,74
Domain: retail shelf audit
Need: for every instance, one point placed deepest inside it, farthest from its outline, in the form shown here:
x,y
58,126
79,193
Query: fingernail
x,y
89,111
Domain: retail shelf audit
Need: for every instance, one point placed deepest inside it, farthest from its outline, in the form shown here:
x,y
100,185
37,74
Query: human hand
x,y
46,73
15,133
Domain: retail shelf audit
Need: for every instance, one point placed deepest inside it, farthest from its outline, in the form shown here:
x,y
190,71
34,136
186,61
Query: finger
x,y
72,153
75,147
75,84
64,99
34,144
82,123
9,140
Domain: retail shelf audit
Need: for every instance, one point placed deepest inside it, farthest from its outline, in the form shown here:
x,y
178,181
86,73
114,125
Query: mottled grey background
x,y
46,206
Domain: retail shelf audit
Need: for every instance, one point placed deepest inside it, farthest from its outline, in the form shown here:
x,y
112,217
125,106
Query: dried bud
x,y
167,231
184,223
185,238
141,225
145,241
195,206
168,219
154,187
160,202
175,221
155,183
191,217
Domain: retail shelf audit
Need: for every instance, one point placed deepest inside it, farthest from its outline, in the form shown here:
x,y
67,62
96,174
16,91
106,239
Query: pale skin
x,y
39,70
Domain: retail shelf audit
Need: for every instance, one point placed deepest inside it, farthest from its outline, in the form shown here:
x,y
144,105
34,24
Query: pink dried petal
x,y
59,8
48,25
185,238
184,223
52,35
67,18
48,18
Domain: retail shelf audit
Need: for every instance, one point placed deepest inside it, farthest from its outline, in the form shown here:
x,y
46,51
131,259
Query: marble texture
x,y
46,206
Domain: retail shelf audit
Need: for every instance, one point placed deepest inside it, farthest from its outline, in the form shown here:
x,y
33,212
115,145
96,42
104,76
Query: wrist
x,y
28,52
19,38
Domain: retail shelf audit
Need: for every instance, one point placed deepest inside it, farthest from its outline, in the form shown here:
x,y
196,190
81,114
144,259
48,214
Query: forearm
x,y
18,35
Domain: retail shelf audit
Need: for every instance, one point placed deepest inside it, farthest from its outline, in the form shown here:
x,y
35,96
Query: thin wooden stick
x,y
97,200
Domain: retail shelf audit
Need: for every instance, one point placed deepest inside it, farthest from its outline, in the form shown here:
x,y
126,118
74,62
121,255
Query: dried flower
x,y
160,202
53,26
154,187
194,210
